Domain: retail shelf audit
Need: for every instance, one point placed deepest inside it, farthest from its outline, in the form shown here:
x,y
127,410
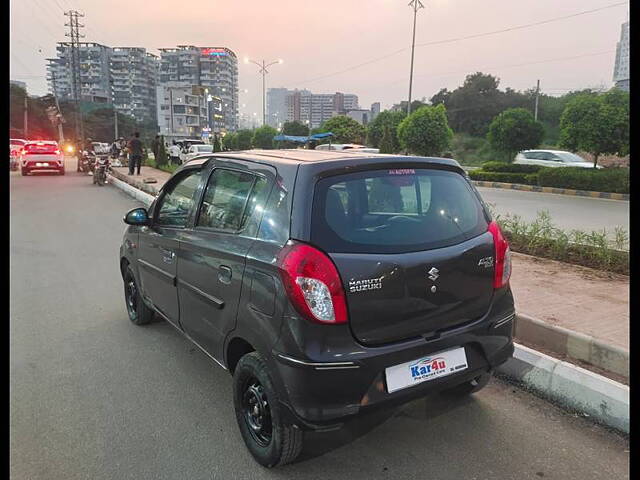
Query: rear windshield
x,y
395,211
33,149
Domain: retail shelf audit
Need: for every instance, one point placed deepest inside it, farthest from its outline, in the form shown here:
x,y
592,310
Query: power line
x,y
458,39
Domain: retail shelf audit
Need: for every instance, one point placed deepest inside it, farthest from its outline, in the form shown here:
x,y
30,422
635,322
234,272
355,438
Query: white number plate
x,y
42,164
426,368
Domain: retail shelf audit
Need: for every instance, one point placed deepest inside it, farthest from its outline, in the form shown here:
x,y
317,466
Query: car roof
x,y
546,150
302,156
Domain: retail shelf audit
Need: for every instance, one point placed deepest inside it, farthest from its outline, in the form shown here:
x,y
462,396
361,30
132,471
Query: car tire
x,y
61,172
139,313
270,439
24,172
470,387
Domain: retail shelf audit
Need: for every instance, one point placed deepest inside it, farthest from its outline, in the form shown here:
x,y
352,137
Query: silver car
x,y
552,158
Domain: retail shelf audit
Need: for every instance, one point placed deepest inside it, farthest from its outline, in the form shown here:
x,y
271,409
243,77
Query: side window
x,y
230,200
176,203
553,157
532,155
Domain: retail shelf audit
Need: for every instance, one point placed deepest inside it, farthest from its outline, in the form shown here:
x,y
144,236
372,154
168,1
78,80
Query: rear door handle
x,y
224,274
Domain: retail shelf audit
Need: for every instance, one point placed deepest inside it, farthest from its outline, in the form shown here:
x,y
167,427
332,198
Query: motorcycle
x,y
101,167
86,162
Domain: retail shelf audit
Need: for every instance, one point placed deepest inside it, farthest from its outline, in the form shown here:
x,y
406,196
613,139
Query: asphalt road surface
x,y
95,397
567,211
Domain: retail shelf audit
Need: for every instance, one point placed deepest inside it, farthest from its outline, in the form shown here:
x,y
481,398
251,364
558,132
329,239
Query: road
x,y
567,211
95,397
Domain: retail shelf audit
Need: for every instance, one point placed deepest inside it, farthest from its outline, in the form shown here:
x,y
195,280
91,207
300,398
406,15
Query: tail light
x,y
502,266
57,152
312,284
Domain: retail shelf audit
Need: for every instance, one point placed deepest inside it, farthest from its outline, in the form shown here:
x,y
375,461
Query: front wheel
x,y
271,440
138,312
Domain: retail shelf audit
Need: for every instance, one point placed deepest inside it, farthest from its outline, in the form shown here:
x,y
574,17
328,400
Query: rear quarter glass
x,y
395,211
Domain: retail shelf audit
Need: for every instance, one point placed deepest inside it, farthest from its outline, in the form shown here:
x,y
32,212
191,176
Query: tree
x,y
426,131
514,130
229,141
387,142
596,124
38,125
295,128
243,139
162,153
345,129
375,129
263,137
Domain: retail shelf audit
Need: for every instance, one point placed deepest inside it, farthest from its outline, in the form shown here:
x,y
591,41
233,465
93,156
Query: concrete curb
x,y
575,345
138,184
561,191
570,386
131,190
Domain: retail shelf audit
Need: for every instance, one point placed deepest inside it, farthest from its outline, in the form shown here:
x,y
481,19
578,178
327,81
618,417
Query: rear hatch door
x,y
411,247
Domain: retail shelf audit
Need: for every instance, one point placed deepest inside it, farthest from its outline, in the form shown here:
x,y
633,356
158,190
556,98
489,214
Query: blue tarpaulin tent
x,y
302,138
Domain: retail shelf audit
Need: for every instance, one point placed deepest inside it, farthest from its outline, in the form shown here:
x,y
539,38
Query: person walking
x,y
174,154
135,153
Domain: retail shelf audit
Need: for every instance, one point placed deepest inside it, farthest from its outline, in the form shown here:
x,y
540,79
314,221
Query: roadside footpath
x,y
572,326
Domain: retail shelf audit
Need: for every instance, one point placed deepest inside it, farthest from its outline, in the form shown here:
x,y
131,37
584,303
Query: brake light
x,y
502,268
312,284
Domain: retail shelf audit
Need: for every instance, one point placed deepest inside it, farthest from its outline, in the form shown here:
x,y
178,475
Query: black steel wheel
x,y
269,437
137,310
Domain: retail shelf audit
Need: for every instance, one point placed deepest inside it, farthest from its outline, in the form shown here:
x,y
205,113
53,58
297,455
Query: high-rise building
x,y
123,76
277,106
315,109
375,111
94,72
134,76
621,73
214,68
182,111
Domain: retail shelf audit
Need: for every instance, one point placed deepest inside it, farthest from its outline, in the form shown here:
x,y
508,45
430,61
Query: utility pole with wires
x,y
535,110
60,118
416,5
75,36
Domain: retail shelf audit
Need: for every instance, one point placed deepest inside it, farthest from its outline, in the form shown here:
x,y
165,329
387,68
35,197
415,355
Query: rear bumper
x,y
51,165
323,394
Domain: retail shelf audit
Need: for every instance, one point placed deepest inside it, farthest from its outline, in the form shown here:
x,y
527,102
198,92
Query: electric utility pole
x,y
535,111
416,5
60,118
26,118
75,36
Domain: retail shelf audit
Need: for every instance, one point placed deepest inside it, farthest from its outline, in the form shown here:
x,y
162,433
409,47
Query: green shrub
x,y
509,167
502,177
614,180
531,178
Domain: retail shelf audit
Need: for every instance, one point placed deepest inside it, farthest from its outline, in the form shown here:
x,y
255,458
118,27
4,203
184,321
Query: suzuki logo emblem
x,y
433,274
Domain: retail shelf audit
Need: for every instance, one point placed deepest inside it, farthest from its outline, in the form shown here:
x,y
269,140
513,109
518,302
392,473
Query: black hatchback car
x,y
326,283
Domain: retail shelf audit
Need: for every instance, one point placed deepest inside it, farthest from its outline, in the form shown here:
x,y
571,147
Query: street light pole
x,y
263,70
416,5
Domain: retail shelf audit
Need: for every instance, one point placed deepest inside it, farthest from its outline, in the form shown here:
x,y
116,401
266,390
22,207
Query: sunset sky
x,y
318,40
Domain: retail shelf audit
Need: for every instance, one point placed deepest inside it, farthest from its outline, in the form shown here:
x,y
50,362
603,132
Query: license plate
x,y
426,368
42,164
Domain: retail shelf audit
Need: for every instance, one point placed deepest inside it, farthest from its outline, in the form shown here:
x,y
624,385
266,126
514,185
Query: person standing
x,y
174,154
135,153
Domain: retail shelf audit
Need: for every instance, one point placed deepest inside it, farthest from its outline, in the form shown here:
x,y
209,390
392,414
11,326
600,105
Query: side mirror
x,y
137,216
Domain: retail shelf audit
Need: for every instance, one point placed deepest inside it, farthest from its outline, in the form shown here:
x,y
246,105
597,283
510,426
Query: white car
x,y
195,150
552,158
15,148
41,155
339,146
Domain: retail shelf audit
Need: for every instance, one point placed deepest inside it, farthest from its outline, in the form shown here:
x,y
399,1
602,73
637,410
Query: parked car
x,y
15,149
552,158
327,284
44,155
195,150
338,146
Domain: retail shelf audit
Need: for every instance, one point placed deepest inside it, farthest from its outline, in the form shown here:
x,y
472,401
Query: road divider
x,y
570,386
135,192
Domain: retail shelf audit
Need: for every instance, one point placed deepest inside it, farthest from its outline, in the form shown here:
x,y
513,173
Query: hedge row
x,y
613,180
505,177
509,167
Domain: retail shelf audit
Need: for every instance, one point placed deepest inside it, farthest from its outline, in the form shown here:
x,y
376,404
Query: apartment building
x,y
621,73
182,111
134,78
214,68
314,109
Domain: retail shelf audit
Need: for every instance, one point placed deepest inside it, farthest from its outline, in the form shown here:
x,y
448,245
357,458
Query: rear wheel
x,y
472,386
24,172
268,437
61,172
137,310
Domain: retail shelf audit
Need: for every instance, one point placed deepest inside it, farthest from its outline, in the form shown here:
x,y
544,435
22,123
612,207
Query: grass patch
x,y
541,238
150,162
